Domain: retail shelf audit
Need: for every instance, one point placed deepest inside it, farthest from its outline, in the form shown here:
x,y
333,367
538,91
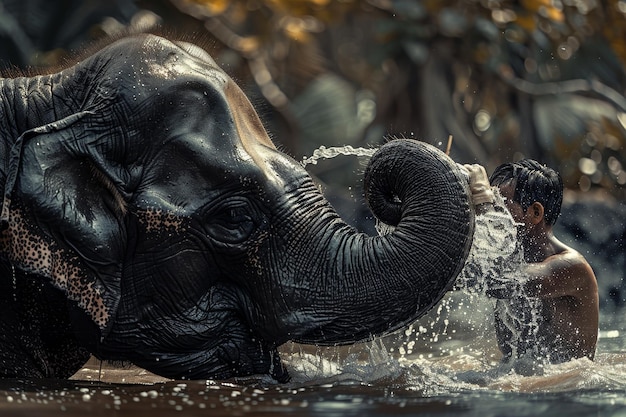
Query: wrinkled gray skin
x,y
148,217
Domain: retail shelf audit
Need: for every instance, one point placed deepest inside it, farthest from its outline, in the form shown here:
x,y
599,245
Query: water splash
x,y
495,257
327,153
362,364
462,325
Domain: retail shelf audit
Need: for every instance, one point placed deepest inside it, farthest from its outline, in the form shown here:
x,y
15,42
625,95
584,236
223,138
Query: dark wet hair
x,y
533,182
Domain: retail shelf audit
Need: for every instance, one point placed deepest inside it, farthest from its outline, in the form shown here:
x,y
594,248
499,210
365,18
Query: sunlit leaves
x,y
502,59
550,9
614,28
211,7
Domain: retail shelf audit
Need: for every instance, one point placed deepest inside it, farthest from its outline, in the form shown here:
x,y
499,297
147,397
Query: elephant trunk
x,y
371,285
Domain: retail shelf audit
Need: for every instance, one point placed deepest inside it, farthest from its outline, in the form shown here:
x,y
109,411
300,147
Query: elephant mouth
x,y
214,338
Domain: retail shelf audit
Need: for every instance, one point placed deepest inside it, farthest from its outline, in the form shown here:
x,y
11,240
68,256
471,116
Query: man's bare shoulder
x,y
565,273
567,256
571,265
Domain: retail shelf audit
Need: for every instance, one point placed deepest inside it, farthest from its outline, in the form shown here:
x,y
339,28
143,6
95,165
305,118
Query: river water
x,y
445,364
452,370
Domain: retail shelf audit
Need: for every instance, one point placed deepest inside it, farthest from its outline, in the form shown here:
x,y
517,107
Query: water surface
x,y
457,375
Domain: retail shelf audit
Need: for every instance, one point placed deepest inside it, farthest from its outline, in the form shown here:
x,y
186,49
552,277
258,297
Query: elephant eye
x,y
237,215
231,223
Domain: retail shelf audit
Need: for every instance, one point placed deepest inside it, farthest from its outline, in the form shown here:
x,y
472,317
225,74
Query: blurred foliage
x,y
40,32
507,79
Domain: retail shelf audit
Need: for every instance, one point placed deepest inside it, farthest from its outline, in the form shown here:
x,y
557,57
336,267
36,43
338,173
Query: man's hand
x,y
479,184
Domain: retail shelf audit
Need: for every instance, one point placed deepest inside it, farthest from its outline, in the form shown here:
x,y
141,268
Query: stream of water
x,y
445,364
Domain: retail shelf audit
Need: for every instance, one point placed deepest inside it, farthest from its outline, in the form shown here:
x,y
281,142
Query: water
x,y
326,153
456,376
445,364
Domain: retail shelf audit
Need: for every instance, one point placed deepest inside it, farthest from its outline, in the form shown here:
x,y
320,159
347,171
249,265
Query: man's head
x,y
535,188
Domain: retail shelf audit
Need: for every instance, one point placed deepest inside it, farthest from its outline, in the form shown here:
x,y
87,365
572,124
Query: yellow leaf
x,y
213,7
295,29
526,21
553,14
532,5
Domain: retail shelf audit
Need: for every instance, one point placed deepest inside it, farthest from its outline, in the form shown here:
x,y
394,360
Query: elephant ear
x,y
63,218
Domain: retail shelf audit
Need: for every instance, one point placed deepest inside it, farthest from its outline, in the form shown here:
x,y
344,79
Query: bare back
x,y
568,292
564,291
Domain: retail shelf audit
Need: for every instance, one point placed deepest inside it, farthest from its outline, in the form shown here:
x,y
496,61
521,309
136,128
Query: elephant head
x,y
142,185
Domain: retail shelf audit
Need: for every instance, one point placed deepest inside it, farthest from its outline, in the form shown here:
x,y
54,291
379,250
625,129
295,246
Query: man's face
x,y
507,190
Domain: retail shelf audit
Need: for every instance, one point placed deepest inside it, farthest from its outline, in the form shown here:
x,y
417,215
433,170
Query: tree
x,y
535,78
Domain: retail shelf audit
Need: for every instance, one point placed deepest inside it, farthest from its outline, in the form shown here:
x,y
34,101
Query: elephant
x,y
147,217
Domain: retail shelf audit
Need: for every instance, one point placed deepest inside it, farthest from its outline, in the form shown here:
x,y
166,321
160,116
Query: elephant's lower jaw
x,y
240,355
223,362
201,343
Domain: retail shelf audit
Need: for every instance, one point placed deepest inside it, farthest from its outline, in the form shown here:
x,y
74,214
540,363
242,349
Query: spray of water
x,y
495,260
326,153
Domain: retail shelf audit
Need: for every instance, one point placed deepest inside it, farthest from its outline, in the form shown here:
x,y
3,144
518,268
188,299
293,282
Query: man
x,y
550,313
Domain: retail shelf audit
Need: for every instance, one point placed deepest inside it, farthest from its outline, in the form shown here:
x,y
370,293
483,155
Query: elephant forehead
x,y
171,60
183,61
208,123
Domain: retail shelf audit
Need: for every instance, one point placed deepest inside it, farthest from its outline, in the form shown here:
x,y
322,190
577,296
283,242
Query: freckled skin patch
x,y
157,220
34,254
254,255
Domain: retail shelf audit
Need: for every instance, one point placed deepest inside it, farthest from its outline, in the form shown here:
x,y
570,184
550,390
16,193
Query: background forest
x,y
506,78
